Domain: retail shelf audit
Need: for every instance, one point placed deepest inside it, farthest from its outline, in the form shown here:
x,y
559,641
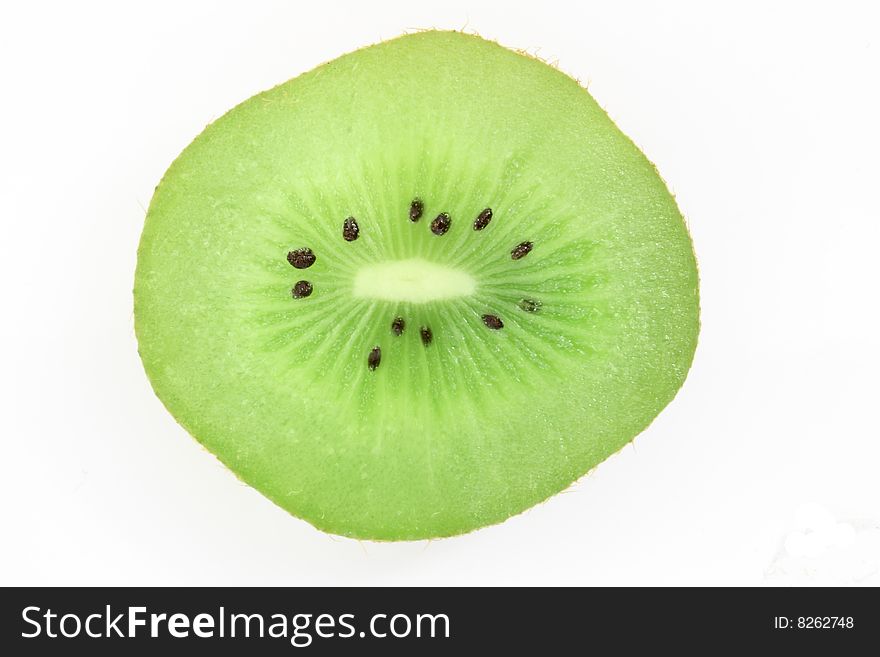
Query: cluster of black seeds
x,y
304,257
301,259
443,222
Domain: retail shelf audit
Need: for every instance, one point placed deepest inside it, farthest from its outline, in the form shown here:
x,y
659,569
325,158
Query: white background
x,y
762,118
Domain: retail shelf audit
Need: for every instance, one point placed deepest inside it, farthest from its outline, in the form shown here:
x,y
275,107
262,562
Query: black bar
x,y
518,620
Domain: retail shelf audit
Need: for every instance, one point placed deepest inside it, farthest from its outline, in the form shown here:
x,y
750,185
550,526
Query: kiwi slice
x,y
416,290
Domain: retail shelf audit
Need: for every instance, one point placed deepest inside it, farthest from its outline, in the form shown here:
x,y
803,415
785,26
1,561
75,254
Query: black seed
x,y
397,325
415,209
483,219
426,334
301,258
301,289
374,358
529,305
493,322
521,250
441,224
350,230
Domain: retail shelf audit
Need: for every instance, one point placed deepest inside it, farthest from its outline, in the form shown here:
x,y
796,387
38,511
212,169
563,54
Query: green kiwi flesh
x,y
416,290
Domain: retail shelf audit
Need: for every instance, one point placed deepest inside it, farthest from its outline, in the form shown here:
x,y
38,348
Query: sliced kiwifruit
x,y
416,290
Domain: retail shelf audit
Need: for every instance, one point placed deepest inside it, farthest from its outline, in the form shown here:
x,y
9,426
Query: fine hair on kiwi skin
x,y
430,327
